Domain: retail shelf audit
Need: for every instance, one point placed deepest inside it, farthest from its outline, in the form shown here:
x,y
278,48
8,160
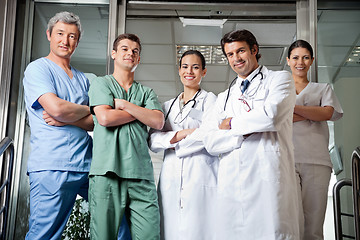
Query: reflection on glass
x,y
338,45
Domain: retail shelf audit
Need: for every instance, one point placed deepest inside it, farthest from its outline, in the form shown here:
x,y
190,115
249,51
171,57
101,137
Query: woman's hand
x,y
179,135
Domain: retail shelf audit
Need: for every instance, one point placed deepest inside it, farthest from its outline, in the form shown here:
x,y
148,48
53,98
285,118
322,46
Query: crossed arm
x,y
59,112
314,113
181,134
126,112
301,113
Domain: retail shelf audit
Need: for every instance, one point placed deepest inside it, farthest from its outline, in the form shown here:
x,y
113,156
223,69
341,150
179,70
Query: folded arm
x,y
180,135
85,123
62,110
151,118
298,118
314,113
276,108
217,138
109,117
159,140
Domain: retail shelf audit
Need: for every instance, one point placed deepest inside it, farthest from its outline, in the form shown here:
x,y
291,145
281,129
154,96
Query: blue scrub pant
x,y
52,197
124,231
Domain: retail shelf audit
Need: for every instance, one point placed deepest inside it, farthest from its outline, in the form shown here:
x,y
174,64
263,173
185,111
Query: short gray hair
x,y
65,17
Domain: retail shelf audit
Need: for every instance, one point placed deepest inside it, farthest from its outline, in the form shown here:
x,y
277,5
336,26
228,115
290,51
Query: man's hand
x,y
120,103
52,121
152,118
225,124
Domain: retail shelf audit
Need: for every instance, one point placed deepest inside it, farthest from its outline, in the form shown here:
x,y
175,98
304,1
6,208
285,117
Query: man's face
x,y
241,59
64,39
127,55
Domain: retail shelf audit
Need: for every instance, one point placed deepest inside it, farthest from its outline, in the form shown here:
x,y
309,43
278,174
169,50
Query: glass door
x,y
339,65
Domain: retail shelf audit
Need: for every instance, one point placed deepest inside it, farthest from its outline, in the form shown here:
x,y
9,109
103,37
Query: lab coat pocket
x,y
270,165
259,98
170,171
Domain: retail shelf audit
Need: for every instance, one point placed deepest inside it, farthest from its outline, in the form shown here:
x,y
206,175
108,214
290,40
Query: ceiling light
x,y
354,57
212,53
203,22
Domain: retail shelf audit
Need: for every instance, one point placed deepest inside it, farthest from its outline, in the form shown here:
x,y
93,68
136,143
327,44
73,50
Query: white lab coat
x,y
188,179
257,196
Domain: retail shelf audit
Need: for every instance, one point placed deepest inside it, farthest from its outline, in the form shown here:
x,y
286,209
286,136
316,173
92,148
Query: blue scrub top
x,y
66,148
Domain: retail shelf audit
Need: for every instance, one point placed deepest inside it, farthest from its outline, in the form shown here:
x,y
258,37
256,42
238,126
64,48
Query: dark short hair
x,y
302,44
129,36
194,52
241,36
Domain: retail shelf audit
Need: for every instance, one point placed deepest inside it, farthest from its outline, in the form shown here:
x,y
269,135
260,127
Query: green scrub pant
x,y
110,197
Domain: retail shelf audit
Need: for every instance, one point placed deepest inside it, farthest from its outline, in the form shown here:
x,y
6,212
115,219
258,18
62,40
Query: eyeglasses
x,y
245,104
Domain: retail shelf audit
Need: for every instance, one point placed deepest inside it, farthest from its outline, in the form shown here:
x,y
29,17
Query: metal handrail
x,y
6,148
355,159
337,209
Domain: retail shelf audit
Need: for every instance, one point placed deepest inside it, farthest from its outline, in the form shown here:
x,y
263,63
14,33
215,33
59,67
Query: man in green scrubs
x,y
121,174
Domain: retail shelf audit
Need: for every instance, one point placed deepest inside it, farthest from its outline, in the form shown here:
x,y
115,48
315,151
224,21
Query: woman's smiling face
x,y
300,61
191,71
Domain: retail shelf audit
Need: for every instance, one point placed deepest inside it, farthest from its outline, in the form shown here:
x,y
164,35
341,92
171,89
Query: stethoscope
x,y
188,103
233,82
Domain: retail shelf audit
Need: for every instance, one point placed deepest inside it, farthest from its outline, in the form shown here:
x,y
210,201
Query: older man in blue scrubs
x,y
59,117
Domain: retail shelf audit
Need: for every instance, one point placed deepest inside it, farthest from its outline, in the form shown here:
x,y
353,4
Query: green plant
x,y
78,226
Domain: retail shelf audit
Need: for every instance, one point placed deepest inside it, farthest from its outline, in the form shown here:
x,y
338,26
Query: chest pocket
x,y
259,98
196,114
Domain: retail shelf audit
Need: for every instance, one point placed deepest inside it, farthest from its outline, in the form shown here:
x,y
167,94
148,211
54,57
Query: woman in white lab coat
x,y
187,184
316,103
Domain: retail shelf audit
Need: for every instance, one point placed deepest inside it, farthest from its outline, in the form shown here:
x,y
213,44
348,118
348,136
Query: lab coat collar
x,y
201,95
251,75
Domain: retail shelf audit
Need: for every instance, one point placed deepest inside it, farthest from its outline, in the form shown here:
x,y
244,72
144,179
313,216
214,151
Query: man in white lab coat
x,y
251,131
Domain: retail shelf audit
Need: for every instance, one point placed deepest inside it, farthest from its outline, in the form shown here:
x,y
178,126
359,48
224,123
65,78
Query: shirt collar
x,y
251,75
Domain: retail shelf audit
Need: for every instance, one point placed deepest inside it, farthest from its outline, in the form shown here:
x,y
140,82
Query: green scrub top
x,y
122,149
